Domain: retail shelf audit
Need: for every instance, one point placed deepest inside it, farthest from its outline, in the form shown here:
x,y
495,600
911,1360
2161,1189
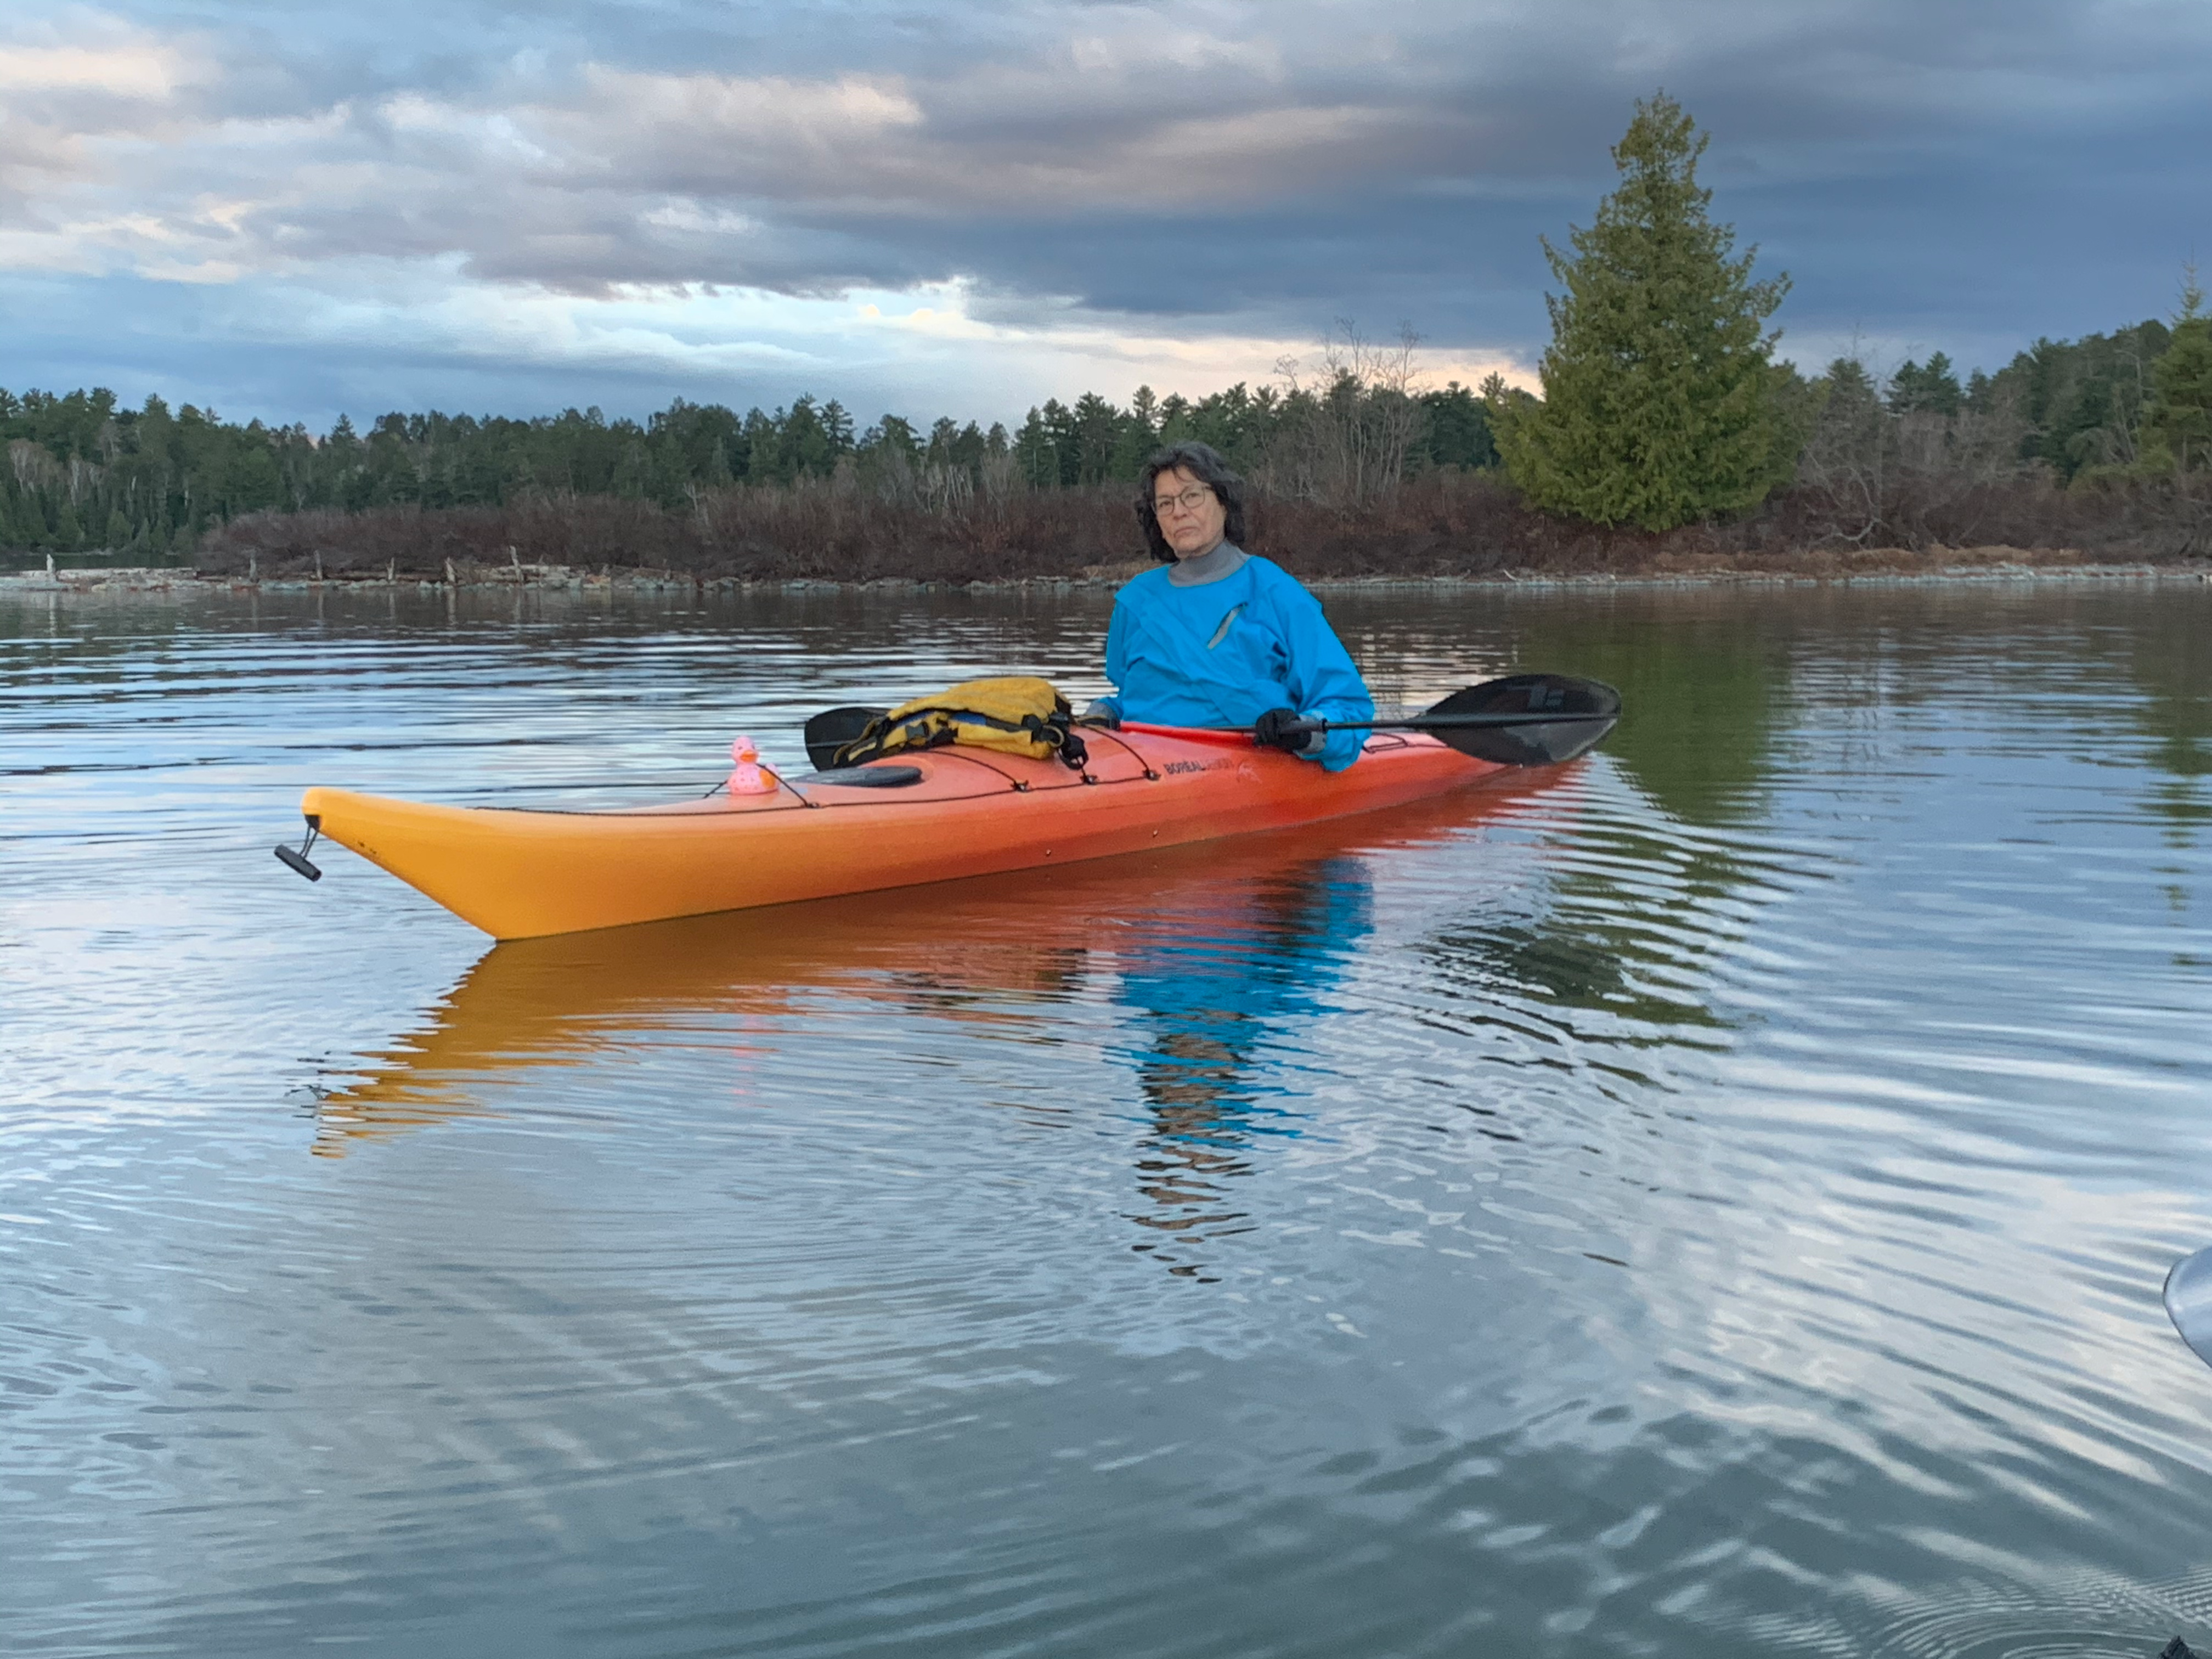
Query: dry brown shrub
x,y
1442,523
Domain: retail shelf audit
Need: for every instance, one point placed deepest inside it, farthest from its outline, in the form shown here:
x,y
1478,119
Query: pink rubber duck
x,y
750,777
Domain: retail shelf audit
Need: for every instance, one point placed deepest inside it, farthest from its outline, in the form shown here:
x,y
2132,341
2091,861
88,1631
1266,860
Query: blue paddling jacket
x,y
1223,653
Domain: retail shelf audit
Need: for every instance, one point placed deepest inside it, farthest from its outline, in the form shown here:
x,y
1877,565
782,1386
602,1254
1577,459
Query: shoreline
x,y
1876,567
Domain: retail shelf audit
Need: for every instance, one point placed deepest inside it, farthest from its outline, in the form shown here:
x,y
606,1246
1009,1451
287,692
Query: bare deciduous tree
x,y
1348,426
1870,475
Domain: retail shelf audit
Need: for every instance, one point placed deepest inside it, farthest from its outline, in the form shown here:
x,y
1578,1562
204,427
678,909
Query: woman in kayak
x,y
1219,636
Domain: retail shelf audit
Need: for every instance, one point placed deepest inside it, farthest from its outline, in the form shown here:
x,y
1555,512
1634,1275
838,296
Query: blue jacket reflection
x,y
1208,983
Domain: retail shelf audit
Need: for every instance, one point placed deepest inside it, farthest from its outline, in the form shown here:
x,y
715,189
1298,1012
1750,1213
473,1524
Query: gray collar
x,y
1223,559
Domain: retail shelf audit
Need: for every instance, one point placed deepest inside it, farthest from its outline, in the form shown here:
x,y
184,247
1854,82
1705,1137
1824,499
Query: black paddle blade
x,y
2189,1302
832,729
1587,710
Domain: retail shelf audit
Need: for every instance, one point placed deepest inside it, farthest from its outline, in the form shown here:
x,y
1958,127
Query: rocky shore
x,y
1873,566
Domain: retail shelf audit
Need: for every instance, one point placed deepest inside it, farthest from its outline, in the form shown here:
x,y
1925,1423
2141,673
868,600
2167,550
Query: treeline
x,y
84,473
1918,457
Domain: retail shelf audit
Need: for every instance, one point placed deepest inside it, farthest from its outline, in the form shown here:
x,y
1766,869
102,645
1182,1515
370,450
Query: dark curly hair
x,y
1203,463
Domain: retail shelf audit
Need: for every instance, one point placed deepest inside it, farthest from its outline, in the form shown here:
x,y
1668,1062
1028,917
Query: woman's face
x,y
1192,517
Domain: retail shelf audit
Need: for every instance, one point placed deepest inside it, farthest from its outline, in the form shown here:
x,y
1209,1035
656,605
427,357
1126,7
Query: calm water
x,y
1713,1205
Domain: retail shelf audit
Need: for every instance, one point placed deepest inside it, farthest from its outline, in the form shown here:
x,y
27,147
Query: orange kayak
x,y
931,816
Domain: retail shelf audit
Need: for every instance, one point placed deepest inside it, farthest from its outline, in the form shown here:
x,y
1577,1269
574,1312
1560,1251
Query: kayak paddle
x,y
1523,719
2188,1297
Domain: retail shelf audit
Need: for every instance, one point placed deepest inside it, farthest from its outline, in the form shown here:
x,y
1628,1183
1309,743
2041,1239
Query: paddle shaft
x,y
1444,722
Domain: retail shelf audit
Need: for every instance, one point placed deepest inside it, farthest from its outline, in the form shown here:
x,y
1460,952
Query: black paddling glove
x,y
1285,729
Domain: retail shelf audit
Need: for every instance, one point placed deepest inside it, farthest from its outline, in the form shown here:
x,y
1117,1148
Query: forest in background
x,y
1358,468
85,473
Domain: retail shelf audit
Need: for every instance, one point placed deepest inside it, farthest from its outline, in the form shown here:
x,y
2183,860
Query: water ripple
x,y
1713,1203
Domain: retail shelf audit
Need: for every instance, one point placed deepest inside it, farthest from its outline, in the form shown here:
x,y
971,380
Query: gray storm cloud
x,y
1286,160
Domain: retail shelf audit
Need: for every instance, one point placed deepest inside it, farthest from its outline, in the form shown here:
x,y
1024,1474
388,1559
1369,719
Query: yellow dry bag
x,y
1015,715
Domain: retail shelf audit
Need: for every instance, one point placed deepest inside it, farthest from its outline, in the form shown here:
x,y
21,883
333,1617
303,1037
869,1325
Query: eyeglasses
x,y
1189,501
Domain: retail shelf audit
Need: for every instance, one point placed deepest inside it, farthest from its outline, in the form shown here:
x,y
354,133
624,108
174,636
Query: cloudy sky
x,y
291,209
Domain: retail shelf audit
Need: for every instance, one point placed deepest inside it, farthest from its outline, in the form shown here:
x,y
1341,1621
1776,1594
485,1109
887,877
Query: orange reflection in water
x,y
1201,945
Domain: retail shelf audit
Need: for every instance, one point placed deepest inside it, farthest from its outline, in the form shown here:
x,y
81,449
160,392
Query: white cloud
x,y
139,70
409,334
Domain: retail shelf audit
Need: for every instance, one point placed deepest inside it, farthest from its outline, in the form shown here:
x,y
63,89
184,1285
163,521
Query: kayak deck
x,y
518,873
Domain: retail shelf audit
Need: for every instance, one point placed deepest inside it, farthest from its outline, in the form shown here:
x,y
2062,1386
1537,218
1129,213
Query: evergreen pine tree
x,y
1097,425
1456,432
808,449
1138,436
1933,390
1658,405
2177,424
1066,442
1035,453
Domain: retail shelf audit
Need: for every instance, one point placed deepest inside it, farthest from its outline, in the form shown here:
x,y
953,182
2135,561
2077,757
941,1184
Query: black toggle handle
x,y
296,860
